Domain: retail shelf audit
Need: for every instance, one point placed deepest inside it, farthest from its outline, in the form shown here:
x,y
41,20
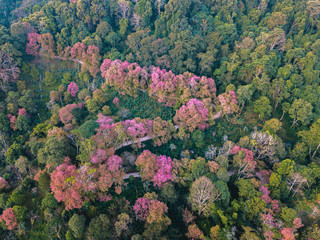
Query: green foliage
x,y
77,224
88,128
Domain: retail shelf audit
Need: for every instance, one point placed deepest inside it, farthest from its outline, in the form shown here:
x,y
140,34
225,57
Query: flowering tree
x,y
3,184
47,45
163,85
147,163
13,120
91,60
265,194
194,232
193,115
32,47
152,211
74,186
243,161
228,102
116,101
10,218
141,208
192,86
65,113
153,168
164,172
22,111
73,89
126,77
65,187
78,50
8,70
100,156
162,131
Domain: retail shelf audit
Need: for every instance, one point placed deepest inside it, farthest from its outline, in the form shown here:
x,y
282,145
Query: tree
x,y
88,129
203,193
312,138
8,71
262,107
99,228
194,232
32,47
146,163
300,111
193,115
49,79
77,224
23,123
272,125
10,218
4,123
3,184
122,225
164,170
73,89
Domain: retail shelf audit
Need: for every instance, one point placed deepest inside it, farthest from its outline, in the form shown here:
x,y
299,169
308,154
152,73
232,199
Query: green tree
x,y
300,111
312,137
262,107
49,79
99,228
23,123
272,125
77,224
88,128
4,123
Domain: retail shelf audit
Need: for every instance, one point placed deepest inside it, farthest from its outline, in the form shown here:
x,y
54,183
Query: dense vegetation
x,y
160,119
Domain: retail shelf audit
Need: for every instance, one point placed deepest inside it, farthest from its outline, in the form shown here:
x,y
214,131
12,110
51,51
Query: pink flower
x,y
116,101
10,218
163,173
141,208
22,111
114,163
73,89
3,184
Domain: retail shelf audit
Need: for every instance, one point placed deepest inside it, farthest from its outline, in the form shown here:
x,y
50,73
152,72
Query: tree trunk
x,y
315,151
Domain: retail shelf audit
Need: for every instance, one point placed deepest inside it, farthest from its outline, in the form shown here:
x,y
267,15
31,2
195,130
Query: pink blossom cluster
x,y
193,115
141,208
13,120
160,83
3,184
228,102
265,194
104,121
22,111
116,101
202,87
136,129
99,156
65,113
10,218
114,163
32,47
125,77
73,89
164,172
164,85
73,186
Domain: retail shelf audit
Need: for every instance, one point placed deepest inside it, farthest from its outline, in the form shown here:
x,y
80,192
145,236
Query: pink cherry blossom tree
x,y
10,218
73,89
193,115
32,47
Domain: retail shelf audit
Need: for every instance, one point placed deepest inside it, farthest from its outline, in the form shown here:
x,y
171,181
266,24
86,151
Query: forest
x,y
159,119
